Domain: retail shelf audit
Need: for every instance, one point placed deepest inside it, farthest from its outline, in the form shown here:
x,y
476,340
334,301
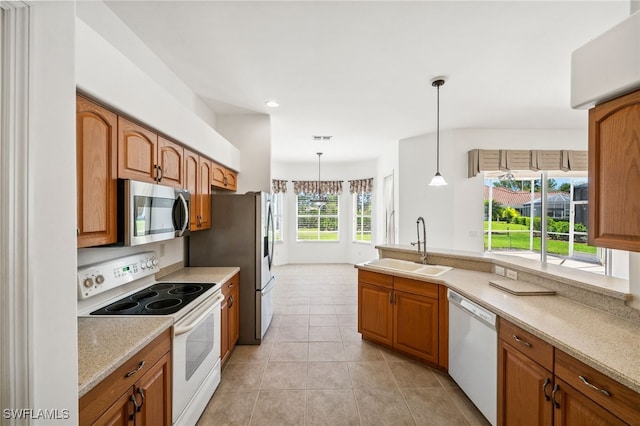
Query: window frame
x,y
319,216
277,211
356,196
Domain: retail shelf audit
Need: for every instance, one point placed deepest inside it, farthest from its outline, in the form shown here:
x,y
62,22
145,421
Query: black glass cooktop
x,y
158,299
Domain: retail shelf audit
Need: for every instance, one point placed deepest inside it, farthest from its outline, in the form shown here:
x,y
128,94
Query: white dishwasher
x,y
473,353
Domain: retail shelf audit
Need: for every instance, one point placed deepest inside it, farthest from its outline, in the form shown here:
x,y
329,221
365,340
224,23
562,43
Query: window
x,y
277,204
317,224
362,217
515,210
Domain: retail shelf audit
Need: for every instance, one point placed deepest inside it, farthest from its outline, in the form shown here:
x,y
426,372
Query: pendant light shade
x,y
438,180
319,200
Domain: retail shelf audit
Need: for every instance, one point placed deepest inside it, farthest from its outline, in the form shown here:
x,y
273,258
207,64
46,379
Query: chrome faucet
x,y
423,252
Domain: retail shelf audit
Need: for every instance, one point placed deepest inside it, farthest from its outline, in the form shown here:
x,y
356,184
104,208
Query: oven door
x,y
196,360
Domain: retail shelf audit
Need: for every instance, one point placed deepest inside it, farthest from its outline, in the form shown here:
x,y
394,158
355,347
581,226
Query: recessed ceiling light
x,y
272,103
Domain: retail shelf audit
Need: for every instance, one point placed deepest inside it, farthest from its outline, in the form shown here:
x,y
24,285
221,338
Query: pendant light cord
x,y
438,132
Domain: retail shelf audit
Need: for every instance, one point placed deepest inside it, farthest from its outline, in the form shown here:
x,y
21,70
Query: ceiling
x,y
361,71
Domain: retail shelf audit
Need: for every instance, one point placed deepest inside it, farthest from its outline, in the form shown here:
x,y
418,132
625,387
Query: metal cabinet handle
x,y
391,297
225,181
522,342
141,393
230,301
553,396
132,416
132,372
594,387
160,176
547,382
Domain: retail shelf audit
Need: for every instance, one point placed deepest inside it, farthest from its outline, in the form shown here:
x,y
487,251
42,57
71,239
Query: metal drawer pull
x,y
132,372
553,396
135,407
595,388
546,383
141,393
522,342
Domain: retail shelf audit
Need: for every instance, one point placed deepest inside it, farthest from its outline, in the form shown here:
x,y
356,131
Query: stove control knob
x,y
155,262
143,265
149,263
88,282
99,279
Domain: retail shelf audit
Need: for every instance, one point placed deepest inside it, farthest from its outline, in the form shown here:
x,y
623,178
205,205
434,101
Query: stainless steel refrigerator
x,y
241,234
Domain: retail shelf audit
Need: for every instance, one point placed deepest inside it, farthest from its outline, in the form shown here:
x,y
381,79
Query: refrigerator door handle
x,y
270,234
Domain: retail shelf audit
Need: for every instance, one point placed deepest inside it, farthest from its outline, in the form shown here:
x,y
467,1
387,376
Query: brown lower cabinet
x,y
230,317
402,314
541,385
137,393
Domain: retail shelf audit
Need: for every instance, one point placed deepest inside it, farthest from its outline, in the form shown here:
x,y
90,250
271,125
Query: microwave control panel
x,y
99,277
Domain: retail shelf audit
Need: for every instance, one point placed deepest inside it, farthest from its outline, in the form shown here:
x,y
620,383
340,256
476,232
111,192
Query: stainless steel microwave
x,y
154,212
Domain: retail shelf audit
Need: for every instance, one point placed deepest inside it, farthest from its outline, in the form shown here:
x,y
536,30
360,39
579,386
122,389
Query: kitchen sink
x,y
408,266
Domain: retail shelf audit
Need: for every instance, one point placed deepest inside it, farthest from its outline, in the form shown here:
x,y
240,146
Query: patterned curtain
x,y
361,185
311,187
278,185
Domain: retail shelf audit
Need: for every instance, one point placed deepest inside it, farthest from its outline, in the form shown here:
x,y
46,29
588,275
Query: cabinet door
x,y
121,413
524,389
204,189
375,313
224,329
415,325
576,409
153,393
137,152
232,180
96,164
170,163
218,175
614,175
234,317
191,184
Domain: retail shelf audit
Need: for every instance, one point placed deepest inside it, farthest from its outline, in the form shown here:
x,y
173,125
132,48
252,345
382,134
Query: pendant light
x,y
319,200
438,180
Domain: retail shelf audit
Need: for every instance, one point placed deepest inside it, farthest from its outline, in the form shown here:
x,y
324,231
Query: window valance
x,y
311,187
360,185
278,185
488,160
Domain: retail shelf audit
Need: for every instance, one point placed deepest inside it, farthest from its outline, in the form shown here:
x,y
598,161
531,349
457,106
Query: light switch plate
x,y
499,270
512,274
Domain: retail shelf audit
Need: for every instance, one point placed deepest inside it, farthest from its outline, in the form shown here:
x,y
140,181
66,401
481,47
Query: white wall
x,y
344,251
51,219
251,134
387,165
101,19
106,74
454,213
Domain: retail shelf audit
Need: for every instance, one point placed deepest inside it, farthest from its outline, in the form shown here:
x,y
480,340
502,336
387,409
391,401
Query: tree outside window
x,y
317,224
362,217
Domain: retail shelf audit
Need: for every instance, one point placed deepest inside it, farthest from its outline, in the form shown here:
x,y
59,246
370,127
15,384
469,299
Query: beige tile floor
x,y
314,369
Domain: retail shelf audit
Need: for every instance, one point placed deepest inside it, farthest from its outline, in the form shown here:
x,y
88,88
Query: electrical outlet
x,y
512,274
499,270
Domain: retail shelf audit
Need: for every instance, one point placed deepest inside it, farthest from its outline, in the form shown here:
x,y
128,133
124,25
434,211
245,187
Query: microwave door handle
x,y
186,214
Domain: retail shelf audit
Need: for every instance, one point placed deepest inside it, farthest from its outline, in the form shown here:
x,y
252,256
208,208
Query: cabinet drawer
x,y
375,278
621,401
101,397
530,345
233,282
416,287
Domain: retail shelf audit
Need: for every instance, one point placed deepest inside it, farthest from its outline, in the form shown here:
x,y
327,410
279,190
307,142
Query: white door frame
x,y
15,320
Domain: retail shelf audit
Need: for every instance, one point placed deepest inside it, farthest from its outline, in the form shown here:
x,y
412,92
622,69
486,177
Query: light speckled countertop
x,y
214,274
606,342
105,343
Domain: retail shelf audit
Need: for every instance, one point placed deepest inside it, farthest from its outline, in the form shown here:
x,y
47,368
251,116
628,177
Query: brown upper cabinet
x,y
223,178
96,164
197,182
614,173
147,157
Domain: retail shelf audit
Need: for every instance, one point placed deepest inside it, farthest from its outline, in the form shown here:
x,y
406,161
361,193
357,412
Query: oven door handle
x,y
199,313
